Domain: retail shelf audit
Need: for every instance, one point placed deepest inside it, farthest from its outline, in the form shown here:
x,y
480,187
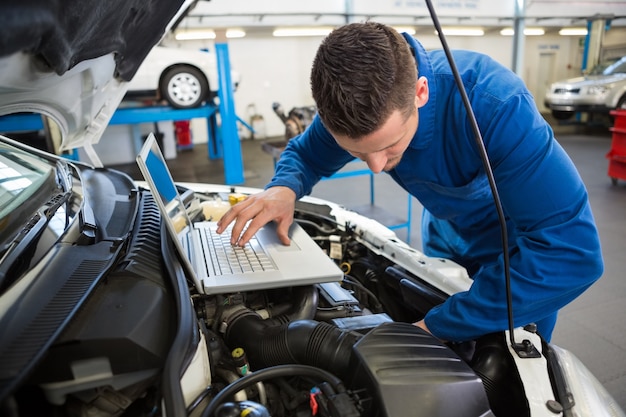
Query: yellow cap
x,y
235,198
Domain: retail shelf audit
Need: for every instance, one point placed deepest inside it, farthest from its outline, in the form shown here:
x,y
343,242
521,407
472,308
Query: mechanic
x,y
370,98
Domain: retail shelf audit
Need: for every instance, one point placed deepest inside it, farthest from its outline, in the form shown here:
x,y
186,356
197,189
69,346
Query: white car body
x,y
191,91
600,91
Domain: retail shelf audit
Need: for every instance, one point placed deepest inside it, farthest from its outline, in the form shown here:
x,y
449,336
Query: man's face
x,y
382,149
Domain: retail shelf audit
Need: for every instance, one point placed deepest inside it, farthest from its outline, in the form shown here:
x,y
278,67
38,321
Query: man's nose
x,y
376,162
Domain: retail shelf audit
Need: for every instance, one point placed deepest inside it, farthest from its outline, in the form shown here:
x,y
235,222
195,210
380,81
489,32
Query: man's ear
x,y
421,92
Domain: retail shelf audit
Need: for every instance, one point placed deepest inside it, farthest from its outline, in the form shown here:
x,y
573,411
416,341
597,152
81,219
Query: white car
x,y
184,78
601,90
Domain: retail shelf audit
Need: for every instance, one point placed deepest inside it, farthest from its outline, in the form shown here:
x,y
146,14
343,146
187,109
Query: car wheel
x,y
184,87
621,104
562,115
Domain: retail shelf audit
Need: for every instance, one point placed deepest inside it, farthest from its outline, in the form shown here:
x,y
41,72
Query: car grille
x,y
565,91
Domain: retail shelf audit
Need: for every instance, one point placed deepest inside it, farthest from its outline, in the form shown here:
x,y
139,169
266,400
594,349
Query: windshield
x,y
610,67
26,183
21,175
618,67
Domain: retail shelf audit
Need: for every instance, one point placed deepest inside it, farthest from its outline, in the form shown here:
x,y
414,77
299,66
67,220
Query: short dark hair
x,y
361,73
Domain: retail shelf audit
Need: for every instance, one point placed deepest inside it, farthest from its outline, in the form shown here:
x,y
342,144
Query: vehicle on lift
x,y
99,317
184,78
601,90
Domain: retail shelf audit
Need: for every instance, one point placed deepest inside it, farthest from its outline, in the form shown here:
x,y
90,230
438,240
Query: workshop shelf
x,y
617,153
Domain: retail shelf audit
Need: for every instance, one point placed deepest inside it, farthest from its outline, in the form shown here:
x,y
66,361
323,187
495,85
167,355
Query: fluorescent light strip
x,y
195,35
408,29
451,31
235,33
573,32
314,31
527,32
207,34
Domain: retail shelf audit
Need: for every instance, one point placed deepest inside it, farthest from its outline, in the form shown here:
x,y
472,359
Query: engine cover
x,y
414,373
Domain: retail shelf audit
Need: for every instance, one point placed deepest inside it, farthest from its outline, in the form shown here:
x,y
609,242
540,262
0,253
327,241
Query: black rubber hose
x,y
269,373
303,305
303,341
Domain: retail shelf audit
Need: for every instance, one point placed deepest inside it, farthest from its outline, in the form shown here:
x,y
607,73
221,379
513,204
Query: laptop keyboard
x,y
228,259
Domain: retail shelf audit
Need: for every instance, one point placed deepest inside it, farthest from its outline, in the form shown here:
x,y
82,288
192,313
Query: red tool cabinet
x,y
617,154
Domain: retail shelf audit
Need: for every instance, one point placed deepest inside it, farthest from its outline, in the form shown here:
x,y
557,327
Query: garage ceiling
x,y
489,14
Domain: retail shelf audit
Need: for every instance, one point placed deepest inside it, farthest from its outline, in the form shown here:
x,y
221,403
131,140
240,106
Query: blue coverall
x,y
553,241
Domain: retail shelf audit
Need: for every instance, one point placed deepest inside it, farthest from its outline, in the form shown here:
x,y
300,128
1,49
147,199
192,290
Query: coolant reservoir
x,y
215,209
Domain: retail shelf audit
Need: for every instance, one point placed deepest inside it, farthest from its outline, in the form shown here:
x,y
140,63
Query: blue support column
x,y
214,146
233,161
584,65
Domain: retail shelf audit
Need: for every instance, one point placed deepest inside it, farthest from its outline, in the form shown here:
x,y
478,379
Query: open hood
x,y
70,59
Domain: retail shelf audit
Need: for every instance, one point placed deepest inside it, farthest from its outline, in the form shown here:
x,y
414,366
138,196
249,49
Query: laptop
x,y
215,265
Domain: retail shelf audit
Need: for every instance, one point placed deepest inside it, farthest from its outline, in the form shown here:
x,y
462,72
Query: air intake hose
x,y
306,342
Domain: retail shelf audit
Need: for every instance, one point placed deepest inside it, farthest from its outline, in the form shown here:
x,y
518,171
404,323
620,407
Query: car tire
x,y
562,115
184,87
621,104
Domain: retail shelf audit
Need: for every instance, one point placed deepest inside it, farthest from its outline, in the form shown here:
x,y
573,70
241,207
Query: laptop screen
x,y
161,180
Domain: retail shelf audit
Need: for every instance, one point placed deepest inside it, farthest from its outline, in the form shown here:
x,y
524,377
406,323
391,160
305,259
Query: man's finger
x,y
247,234
282,230
230,216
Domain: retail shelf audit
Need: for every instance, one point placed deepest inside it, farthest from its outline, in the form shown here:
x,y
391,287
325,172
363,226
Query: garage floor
x,y
593,327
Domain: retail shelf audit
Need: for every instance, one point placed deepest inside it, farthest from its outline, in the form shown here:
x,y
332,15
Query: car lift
x,y
223,140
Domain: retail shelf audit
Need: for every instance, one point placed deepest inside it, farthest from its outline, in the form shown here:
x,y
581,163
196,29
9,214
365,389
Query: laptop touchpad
x,y
271,241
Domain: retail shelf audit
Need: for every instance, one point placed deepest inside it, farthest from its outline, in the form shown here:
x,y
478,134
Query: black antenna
x,y
526,348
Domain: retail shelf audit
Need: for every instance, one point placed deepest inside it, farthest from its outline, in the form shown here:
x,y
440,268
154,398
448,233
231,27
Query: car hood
x,y
71,59
592,80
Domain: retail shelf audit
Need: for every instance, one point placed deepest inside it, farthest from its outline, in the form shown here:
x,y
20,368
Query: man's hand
x,y
276,203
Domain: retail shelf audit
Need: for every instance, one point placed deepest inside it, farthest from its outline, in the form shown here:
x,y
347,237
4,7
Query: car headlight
x,y
590,397
598,89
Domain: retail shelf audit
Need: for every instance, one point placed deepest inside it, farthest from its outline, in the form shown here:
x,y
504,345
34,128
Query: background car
x,y
600,91
184,78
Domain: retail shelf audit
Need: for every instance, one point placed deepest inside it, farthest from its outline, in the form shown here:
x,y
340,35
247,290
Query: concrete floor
x,y
593,326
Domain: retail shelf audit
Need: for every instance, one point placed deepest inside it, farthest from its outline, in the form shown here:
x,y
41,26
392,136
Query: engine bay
x,y
330,349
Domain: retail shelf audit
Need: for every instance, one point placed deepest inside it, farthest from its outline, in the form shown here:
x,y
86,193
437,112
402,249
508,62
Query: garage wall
x,y
277,69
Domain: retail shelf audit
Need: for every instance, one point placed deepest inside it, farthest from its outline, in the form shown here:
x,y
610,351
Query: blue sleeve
x,y
307,158
555,251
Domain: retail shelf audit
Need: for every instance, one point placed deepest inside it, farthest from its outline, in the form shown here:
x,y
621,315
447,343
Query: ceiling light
x,y
235,33
573,32
188,35
452,31
527,32
315,31
408,29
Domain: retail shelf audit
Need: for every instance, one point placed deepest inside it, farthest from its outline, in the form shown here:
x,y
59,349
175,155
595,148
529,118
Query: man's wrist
x,y
422,325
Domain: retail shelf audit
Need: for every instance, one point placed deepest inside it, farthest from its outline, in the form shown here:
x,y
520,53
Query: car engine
x,y
331,349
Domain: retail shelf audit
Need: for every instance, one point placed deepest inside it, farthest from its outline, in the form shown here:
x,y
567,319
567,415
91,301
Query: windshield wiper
x,y
86,216
30,232
37,223
87,219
